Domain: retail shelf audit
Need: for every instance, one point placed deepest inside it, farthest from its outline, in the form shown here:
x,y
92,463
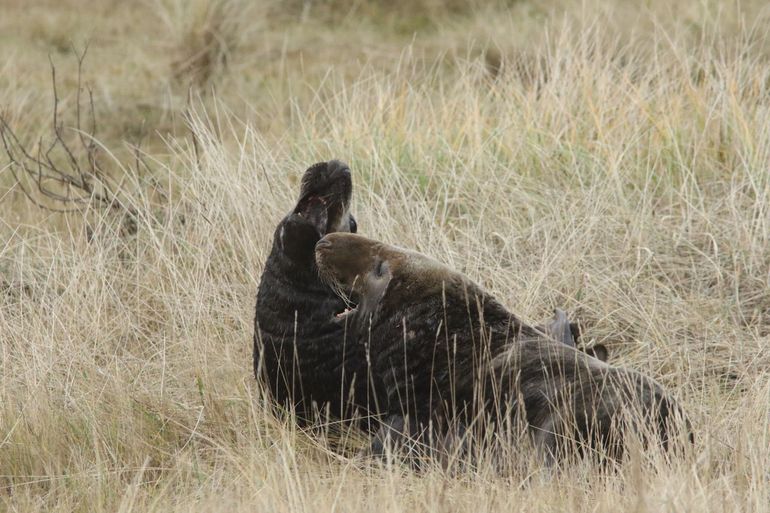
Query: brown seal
x,y
300,353
450,354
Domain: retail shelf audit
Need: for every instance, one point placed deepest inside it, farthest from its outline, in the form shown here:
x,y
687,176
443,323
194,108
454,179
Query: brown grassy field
x,y
610,158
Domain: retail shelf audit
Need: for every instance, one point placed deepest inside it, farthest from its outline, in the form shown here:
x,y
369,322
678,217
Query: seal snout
x,y
324,253
335,167
323,245
334,241
339,257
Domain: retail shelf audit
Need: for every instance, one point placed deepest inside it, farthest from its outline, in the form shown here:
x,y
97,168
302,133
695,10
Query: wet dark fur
x,y
453,359
300,353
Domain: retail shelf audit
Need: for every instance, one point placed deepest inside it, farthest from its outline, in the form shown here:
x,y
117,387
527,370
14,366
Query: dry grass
x,y
623,174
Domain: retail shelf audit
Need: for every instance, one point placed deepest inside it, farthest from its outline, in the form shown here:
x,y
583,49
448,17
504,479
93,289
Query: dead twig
x,y
66,172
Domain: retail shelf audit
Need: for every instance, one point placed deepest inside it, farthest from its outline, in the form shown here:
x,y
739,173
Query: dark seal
x,y
454,360
301,354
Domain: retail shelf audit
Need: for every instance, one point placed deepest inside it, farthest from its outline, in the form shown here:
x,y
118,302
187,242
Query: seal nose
x,y
323,244
337,166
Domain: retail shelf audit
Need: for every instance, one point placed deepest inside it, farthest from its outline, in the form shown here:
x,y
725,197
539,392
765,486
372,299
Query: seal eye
x,y
353,225
379,268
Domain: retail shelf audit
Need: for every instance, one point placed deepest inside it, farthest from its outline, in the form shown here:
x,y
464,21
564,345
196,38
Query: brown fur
x,y
453,359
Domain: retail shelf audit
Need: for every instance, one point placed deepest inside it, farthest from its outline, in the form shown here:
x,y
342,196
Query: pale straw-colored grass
x,y
629,183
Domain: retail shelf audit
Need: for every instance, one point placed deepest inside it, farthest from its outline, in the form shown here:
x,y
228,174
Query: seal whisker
x,y
330,281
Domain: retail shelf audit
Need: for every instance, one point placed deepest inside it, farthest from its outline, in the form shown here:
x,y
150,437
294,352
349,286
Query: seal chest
x,y
301,353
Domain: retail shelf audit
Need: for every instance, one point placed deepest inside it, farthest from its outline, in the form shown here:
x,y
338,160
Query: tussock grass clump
x,y
205,34
627,184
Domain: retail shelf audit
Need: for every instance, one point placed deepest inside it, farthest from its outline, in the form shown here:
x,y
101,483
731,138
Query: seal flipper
x,y
598,351
406,439
560,329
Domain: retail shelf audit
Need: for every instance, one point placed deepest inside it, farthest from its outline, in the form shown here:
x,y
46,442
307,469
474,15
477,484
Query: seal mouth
x,y
310,203
351,307
347,312
327,277
314,209
325,196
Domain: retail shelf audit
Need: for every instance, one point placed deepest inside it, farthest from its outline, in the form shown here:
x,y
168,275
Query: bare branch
x,y
78,183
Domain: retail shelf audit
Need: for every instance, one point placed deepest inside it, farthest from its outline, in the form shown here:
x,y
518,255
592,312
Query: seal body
x,y
456,363
574,403
301,355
